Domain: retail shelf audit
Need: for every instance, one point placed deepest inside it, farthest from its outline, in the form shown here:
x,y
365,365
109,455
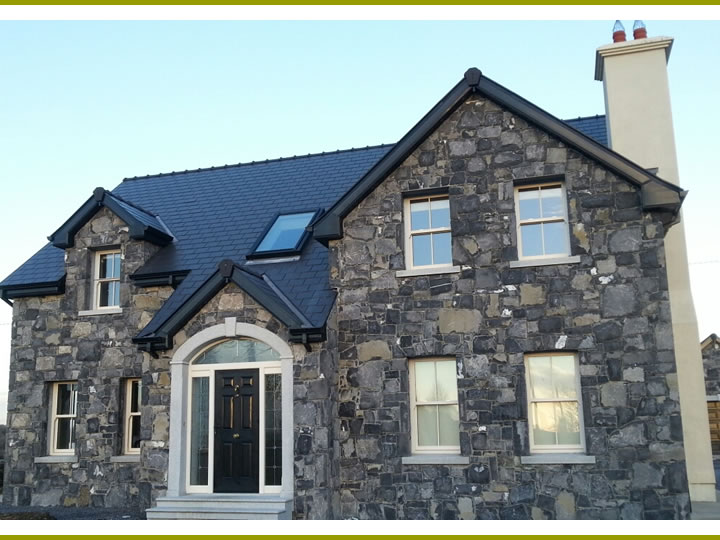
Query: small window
x,y
63,413
428,239
434,406
131,427
555,412
714,418
542,225
285,236
107,279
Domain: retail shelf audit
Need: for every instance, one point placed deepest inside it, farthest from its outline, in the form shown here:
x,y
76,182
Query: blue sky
x,y
85,104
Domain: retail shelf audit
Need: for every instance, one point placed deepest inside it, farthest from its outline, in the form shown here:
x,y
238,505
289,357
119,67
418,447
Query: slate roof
x,y
592,126
219,213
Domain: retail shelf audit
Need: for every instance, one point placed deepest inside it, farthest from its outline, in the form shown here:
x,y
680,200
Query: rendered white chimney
x,y
640,127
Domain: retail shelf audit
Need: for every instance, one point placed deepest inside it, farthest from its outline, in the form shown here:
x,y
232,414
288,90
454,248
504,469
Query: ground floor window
x,y
63,414
131,425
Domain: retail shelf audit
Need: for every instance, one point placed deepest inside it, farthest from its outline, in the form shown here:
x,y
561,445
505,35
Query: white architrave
x,y
179,397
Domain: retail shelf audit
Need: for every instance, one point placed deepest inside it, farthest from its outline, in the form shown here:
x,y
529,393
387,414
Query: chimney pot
x,y
639,30
618,32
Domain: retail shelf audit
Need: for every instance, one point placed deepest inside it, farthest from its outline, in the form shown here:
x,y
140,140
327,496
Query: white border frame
x,y
96,307
518,222
415,448
180,397
52,439
560,448
128,414
409,233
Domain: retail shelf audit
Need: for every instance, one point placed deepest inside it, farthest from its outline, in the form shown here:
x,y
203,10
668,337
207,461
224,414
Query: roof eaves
x,y
47,288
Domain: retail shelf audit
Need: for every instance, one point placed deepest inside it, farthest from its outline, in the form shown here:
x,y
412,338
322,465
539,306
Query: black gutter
x,y
47,288
159,279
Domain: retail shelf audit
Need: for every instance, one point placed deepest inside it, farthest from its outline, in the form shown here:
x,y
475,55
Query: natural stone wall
x,y
711,365
50,342
611,309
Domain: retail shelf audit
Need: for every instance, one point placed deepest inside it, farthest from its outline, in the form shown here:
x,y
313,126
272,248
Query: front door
x,y
237,442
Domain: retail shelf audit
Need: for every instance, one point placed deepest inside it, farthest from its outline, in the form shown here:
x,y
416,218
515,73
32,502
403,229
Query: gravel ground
x,y
59,512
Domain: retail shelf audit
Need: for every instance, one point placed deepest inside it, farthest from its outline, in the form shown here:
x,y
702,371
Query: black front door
x,y
236,431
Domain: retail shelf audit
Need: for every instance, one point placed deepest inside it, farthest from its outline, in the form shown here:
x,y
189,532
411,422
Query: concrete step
x,y
222,506
705,510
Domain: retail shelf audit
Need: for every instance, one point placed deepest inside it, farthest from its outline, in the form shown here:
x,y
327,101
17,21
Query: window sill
x,y
574,259
106,311
435,459
428,271
552,459
56,459
127,458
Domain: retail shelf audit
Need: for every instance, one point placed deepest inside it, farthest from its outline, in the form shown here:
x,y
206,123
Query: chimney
x,y
618,32
640,127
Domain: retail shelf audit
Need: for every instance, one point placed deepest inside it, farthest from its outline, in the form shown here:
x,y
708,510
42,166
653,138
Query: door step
x,y
222,506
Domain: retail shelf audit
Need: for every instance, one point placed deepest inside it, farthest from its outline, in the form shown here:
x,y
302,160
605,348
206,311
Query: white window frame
x,y
415,447
409,233
97,280
54,417
563,219
128,415
559,448
208,370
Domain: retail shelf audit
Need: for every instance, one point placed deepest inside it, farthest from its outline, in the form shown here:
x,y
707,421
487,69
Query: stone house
x,y
474,322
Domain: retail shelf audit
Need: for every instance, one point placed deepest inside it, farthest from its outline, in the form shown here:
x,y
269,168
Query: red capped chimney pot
x,y
618,32
639,30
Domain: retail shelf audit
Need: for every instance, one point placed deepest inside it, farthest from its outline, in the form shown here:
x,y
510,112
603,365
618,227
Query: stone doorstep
x,y
222,506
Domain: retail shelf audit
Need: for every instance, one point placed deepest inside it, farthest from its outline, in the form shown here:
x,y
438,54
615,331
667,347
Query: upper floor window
x,y
428,240
554,404
434,414
542,224
286,235
107,279
63,413
131,439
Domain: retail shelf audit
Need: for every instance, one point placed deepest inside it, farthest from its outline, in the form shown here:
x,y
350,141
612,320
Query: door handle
x,y
236,435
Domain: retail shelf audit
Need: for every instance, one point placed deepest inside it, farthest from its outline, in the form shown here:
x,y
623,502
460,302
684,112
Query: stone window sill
x,y
428,271
56,459
435,459
106,311
129,458
545,262
552,459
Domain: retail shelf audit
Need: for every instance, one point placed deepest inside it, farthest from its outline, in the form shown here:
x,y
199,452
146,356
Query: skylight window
x,y
285,236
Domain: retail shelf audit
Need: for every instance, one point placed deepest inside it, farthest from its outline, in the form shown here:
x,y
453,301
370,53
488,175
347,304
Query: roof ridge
x,y
134,205
261,162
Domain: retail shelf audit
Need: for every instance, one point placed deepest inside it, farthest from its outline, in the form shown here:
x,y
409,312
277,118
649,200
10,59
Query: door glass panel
x,y
427,425
273,430
238,350
199,417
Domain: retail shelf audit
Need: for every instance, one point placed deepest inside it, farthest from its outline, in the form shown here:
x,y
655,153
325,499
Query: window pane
x,y
446,380
66,398
273,430
555,237
440,213
543,423
238,350
425,382
419,215
285,232
568,423
427,425
531,240
115,265
552,203
563,375
65,436
442,248
105,293
540,377
529,203
135,431
421,250
134,396
199,431
449,425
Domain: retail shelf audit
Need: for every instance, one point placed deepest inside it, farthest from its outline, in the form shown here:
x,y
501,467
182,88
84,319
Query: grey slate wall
x,y
611,308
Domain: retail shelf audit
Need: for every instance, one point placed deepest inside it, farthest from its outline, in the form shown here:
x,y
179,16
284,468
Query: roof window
x,y
286,235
